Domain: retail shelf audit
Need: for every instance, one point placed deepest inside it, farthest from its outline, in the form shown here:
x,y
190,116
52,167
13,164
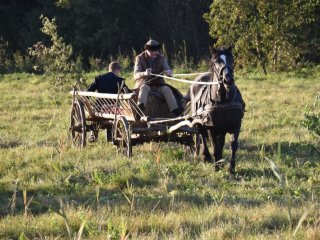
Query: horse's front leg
x,y
204,150
234,147
218,144
218,140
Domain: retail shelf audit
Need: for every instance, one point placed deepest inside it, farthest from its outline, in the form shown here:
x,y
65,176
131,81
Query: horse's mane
x,y
199,93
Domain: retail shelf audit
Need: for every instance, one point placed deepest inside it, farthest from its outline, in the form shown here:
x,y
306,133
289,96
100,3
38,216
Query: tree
x,y
265,33
59,64
102,29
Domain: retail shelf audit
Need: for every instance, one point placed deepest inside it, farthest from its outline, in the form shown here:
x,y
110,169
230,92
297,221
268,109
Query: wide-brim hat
x,y
152,45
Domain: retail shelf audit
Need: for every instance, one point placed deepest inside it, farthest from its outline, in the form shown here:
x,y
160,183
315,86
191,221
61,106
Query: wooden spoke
x,y
78,125
122,136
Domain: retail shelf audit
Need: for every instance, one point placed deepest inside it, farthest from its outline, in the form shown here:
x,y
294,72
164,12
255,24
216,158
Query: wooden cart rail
x,y
109,106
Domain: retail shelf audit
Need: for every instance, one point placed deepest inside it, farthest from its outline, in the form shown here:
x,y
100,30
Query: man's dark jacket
x,y
106,83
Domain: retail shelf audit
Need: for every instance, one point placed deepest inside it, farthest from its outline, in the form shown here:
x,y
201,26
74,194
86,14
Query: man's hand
x,y
169,73
148,71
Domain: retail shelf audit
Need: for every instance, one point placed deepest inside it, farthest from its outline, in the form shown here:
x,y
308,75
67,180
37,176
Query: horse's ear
x,y
230,48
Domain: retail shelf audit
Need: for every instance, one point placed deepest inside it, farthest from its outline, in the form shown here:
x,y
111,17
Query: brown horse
x,y
219,105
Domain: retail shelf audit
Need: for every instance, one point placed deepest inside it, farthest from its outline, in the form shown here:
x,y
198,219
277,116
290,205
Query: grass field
x,y
51,190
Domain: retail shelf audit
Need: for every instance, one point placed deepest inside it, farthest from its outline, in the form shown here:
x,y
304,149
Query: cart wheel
x,y
78,125
122,136
196,144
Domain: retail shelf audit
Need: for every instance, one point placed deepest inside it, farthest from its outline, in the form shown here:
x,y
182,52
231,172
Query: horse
x,y
219,105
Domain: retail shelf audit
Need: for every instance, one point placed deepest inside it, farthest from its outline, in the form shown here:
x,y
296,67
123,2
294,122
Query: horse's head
x,y
222,71
222,65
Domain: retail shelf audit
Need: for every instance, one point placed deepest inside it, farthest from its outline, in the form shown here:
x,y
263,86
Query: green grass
x,y
51,190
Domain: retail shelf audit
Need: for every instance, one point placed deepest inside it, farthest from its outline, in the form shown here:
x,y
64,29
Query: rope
x,y
185,81
189,74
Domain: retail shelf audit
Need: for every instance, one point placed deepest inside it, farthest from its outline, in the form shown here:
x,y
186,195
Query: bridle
x,y
224,74
221,72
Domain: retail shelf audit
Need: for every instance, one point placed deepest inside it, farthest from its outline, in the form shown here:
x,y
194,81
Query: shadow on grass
x,y
291,149
45,199
12,144
250,173
75,190
244,202
114,189
301,148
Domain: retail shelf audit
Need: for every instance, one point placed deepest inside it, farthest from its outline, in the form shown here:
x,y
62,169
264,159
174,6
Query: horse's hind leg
x,y
234,147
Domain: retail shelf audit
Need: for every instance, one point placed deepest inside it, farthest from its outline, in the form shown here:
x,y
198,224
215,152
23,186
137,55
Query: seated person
x,y
152,61
109,82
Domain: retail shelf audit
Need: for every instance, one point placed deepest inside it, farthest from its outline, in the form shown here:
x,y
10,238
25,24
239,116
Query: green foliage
x,y
98,29
312,122
4,56
57,60
22,62
23,236
63,3
96,64
180,57
125,61
13,61
40,55
271,34
275,35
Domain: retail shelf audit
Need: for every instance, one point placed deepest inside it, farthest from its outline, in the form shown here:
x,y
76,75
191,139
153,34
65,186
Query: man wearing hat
x,y
152,61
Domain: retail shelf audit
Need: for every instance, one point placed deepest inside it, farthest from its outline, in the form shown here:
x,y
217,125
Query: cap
x,y
152,45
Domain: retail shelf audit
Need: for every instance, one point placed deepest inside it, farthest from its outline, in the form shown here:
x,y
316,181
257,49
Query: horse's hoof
x,y
232,171
206,158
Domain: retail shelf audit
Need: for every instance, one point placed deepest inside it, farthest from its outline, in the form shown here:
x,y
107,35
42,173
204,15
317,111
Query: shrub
x,y
5,61
312,122
40,59
125,62
13,61
57,60
22,63
96,64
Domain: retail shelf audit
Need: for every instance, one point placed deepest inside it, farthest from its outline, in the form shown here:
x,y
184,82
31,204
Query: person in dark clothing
x,y
109,82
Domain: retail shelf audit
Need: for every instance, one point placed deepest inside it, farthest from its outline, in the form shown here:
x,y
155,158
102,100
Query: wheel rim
x,y
122,137
78,125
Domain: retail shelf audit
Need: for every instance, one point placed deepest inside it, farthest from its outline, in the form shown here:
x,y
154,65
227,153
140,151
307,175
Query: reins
x,y
189,74
184,80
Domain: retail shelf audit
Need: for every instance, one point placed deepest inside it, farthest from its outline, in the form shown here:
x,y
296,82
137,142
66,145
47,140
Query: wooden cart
x,y
124,122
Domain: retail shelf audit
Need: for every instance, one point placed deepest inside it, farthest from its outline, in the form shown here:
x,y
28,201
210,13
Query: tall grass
x,y
50,190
